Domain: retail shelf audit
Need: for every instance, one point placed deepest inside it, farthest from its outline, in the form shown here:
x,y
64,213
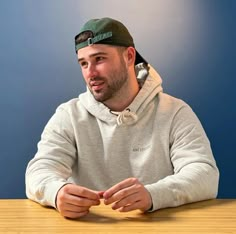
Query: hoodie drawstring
x,y
125,117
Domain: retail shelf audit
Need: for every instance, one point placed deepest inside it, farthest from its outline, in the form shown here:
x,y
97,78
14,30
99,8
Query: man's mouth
x,y
97,85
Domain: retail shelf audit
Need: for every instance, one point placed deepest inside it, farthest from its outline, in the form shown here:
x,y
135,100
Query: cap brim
x,y
139,59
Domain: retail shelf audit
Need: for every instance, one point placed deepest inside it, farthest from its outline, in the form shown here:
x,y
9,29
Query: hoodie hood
x,y
150,83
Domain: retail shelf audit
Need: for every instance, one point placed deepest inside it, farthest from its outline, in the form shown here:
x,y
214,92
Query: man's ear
x,y
131,53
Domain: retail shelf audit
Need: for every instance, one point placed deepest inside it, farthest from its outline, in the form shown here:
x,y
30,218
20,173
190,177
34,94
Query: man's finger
x,y
81,192
81,201
130,207
132,198
123,184
74,215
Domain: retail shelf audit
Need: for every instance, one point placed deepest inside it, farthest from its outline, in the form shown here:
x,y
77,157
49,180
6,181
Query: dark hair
x,y
84,36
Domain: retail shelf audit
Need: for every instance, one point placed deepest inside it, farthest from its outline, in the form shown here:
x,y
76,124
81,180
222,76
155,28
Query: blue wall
x,y
191,43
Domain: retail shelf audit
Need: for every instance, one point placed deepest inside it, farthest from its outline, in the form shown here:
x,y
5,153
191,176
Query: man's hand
x,y
128,195
74,201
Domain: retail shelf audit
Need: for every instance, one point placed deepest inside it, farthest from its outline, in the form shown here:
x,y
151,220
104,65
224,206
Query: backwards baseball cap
x,y
106,31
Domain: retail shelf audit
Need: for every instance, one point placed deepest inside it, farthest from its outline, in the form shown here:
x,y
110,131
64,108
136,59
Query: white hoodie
x,y
157,139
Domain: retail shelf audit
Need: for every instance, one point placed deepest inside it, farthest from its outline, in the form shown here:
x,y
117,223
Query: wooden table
x,y
213,216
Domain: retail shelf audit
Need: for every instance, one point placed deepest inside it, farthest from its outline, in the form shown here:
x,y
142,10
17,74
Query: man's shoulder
x,y
166,99
70,104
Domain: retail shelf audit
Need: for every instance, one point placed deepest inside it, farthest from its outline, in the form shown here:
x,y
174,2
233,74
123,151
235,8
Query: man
x,y
123,140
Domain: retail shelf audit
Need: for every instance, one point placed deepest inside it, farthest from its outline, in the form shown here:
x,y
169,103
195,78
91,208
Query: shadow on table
x,y
162,215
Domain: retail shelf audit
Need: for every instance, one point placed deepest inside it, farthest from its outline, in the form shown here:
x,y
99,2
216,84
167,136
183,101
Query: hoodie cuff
x,y
155,193
52,191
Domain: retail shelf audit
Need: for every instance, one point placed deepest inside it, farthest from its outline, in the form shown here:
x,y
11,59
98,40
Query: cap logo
x,y
101,37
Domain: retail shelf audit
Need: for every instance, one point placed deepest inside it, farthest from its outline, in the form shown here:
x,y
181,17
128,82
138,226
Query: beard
x,y
112,84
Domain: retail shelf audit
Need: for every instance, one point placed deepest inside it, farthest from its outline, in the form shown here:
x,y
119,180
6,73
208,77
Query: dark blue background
x,y
191,43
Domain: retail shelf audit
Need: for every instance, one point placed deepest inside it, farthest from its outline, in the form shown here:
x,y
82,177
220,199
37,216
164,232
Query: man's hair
x,y
84,36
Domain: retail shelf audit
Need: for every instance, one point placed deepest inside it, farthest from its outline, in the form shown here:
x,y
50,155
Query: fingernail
x,y
105,202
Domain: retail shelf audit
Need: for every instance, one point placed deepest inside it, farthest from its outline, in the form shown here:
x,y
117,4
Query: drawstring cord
x,y
125,117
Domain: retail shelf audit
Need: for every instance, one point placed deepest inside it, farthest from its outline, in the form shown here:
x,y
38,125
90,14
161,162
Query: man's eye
x,y
83,64
99,59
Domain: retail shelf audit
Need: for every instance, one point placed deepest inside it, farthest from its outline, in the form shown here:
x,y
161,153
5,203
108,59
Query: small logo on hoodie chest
x,y
141,149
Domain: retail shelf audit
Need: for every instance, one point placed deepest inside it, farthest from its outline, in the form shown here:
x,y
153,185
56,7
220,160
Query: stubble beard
x,y
113,84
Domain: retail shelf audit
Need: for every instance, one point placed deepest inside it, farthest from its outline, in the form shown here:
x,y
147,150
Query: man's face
x,y
104,70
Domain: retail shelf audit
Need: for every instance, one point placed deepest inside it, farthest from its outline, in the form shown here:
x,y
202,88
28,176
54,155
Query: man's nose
x,y
92,71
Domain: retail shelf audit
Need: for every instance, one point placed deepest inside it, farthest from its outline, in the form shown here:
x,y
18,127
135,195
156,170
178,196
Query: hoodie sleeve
x,y
49,170
195,175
